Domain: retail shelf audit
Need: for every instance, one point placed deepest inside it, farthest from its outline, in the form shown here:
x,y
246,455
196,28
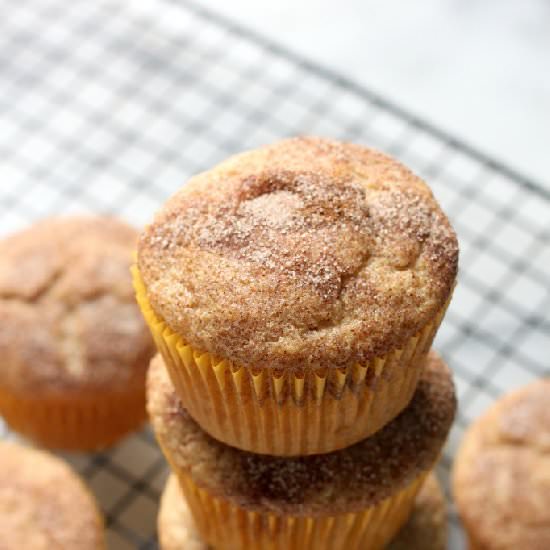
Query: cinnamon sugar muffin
x,y
73,346
44,505
501,477
425,529
294,291
357,497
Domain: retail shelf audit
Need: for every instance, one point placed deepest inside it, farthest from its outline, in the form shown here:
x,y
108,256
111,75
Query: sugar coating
x,y
340,482
308,252
69,318
501,477
43,504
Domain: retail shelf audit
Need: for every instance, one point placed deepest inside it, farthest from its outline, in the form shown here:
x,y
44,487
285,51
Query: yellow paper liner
x,y
79,423
225,525
177,530
282,413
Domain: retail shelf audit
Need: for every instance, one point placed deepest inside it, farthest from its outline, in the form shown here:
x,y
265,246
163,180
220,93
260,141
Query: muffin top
x,y
69,318
308,252
426,528
502,472
343,481
43,504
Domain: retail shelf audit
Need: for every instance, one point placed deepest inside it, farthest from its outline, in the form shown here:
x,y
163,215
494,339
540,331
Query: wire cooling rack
x,y
107,106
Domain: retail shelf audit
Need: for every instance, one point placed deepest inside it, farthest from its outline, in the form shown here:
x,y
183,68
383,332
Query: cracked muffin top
x,y
308,252
69,318
501,478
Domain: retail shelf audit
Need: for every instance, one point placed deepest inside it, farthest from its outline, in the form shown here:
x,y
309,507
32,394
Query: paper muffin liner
x,y
224,525
278,412
425,529
76,423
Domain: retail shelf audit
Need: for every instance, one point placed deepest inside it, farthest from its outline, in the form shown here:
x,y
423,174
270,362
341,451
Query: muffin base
x,y
224,525
426,528
285,413
79,423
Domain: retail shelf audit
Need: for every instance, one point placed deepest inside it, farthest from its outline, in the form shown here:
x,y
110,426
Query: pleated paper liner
x,y
283,413
225,525
79,423
425,529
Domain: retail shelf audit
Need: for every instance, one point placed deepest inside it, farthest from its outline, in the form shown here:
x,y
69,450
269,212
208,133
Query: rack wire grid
x,y
109,107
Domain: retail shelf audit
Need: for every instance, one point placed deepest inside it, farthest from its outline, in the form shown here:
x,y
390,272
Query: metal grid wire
x,y
107,106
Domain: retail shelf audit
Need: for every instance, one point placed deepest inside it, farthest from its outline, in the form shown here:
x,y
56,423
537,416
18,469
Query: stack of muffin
x,y
293,293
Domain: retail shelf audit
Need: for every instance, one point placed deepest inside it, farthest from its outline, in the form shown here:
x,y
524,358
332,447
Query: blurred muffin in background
x,y
501,477
44,505
74,349
426,528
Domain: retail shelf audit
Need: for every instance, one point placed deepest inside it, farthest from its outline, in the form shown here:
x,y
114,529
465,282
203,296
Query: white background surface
x,y
480,70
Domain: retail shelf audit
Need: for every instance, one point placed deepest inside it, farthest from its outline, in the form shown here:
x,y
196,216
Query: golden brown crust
x,y
43,504
69,319
501,477
307,252
426,529
340,482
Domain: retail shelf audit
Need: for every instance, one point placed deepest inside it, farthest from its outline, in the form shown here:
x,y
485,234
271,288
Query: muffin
x,y
425,529
501,477
74,348
44,505
294,292
357,497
